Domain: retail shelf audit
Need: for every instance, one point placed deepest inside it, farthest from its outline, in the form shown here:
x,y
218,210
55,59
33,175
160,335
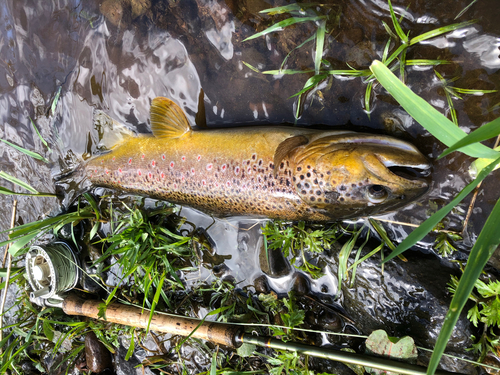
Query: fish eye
x,y
377,193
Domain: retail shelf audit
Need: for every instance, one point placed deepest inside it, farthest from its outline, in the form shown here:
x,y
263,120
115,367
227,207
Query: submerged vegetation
x,y
146,256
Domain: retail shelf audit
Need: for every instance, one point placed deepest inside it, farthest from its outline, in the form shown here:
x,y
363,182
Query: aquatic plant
x,y
391,56
449,134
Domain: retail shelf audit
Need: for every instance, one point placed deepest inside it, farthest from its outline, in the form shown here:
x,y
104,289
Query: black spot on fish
x,y
299,169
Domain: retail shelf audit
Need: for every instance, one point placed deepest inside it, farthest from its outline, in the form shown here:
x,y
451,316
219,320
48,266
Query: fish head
x,y
351,174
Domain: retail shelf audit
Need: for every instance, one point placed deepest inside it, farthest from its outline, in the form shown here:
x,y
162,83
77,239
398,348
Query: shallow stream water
x,y
111,58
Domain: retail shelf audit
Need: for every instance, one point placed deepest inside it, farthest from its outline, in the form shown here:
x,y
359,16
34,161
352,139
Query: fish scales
x,y
282,172
210,171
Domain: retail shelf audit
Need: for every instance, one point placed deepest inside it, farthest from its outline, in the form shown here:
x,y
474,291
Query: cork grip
x,y
218,333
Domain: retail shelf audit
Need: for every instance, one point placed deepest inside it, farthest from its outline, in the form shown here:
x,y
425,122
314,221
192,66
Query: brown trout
x,y
282,172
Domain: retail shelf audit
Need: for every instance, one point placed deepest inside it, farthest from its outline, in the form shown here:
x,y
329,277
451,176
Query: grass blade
x,y
440,31
282,24
397,26
18,182
156,298
431,222
286,71
487,131
483,249
428,116
39,135
27,152
320,43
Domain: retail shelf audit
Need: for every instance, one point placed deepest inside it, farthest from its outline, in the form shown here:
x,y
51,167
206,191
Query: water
x,y
114,57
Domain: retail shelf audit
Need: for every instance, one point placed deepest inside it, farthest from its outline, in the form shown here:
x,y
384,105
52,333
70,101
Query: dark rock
x,y
261,285
97,355
301,284
408,299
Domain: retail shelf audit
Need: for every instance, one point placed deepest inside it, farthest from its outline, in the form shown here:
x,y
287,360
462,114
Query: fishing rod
x,y
53,270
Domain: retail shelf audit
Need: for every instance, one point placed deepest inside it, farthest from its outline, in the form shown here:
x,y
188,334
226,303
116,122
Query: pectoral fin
x,y
168,119
285,147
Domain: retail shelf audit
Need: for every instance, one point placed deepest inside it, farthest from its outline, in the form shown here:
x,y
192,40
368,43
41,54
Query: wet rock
x,y
273,263
301,284
261,285
98,358
408,299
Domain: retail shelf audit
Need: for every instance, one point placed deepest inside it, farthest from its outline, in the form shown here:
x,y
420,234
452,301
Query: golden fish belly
x,y
222,172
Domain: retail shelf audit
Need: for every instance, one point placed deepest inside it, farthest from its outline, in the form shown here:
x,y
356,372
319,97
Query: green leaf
x,y
48,330
27,152
131,348
16,248
487,131
282,24
381,344
320,43
156,299
39,135
429,117
397,26
440,31
486,243
18,182
431,222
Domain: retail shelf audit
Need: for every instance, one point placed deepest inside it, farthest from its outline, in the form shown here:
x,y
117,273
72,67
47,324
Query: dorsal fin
x,y
168,119
285,147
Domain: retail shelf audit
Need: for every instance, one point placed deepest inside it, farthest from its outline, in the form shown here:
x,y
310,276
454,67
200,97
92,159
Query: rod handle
x,y
218,333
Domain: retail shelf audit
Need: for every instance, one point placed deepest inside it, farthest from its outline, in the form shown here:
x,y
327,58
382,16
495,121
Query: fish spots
x,y
130,161
172,164
198,158
224,167
183,158
143,156
254,156
236,170
163,157
114,158
102,161
209,167
150,175
228,184
139,172
204,183
162,175
107,172
192,171
153,163
119,170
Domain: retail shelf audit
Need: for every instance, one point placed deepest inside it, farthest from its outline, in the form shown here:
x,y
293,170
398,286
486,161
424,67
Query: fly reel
x,y
51,270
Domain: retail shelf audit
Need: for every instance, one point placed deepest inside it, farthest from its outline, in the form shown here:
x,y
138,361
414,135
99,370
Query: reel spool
x,y
51,269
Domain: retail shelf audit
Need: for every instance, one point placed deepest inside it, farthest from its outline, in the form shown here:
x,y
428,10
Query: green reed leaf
x,y
440,31
251,67
24,151
426,62
431,222
483,249
429,117
16,248
286,71
282,24
156,298
320,43
288,8
18,182
39,135
397,25
487,131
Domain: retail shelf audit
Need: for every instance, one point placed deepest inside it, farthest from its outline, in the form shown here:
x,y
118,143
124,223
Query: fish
x,y
279,172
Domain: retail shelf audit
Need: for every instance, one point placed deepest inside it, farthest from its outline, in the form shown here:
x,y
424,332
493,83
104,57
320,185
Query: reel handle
x,y
218,333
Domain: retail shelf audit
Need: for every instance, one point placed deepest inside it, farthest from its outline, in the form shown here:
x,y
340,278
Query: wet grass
x,y
393,56
489,238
